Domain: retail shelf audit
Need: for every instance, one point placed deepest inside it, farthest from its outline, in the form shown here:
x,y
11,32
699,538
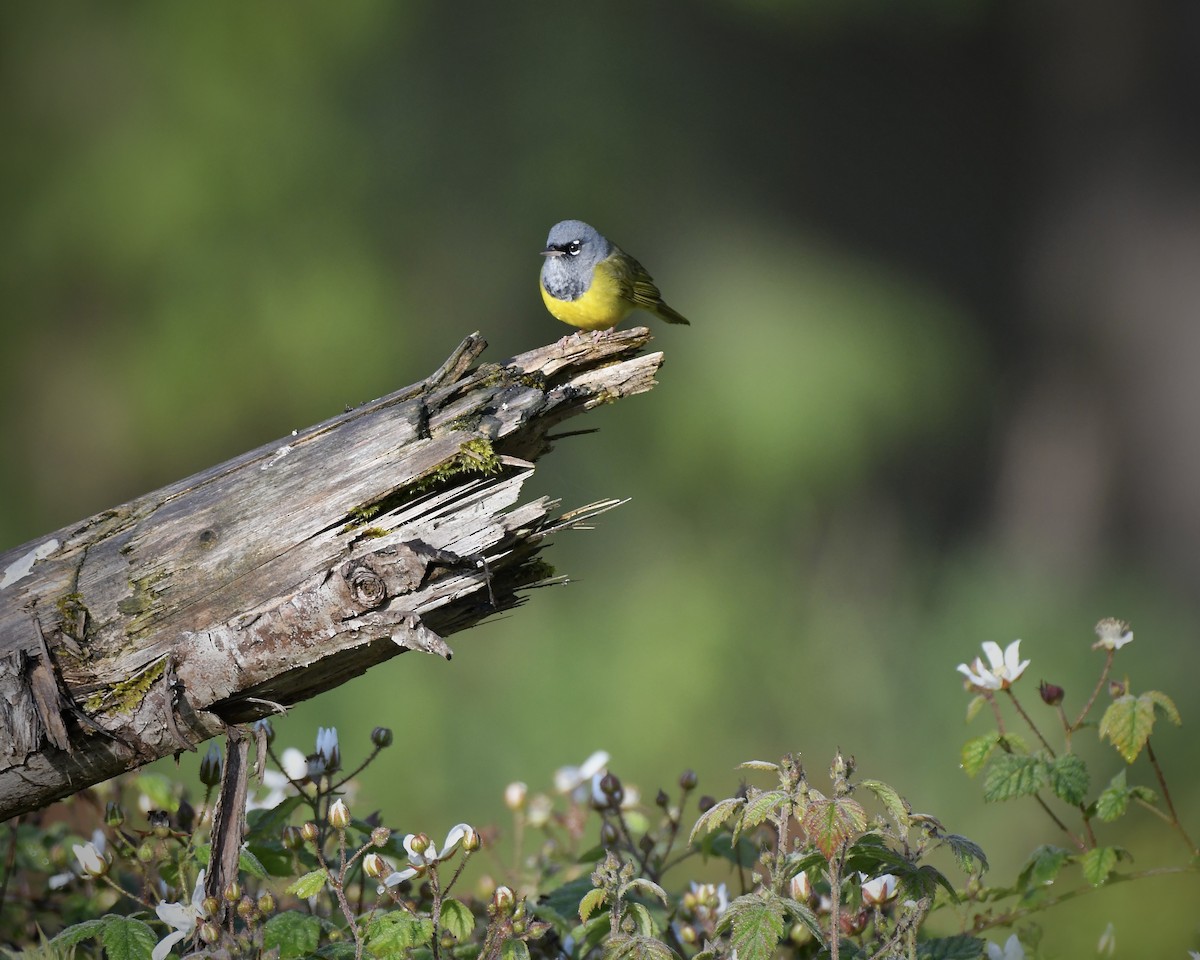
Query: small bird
x,y
593,284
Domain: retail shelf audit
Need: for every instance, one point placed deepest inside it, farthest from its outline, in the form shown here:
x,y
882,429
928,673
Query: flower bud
x,y
309,831
471,840
144,852
114,816
210,766
374,866
381,737
245,908
210,906
1117,688
380,836
266,904
160,823
90,860
540,807
1051,695
610,786
485,886
232,892
291,837
609,835
687,934
661,799
339,815
706,803
514,795
503,900
799,935
210,932
688,780
800,887
419,843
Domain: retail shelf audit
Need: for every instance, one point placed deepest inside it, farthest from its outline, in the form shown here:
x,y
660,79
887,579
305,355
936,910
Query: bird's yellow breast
x,y
601,306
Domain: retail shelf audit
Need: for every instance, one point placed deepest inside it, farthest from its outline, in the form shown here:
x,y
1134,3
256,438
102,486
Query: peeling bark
x,y
265,580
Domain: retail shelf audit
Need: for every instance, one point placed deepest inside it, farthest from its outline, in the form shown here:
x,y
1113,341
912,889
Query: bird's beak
x,y
551,252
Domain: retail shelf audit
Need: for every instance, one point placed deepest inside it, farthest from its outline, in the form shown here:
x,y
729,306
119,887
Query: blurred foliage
x,y
224,223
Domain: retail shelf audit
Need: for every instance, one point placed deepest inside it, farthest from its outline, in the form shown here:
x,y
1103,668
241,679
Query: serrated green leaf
x,y
125,938
1165,704
591,901
249,863
308,885
293,933
276,860
923,881
892,802
762,806
648,886
456,919
1015,743
966,852
514,950
830,823
1043,865
1014,775
1113,800
1145,794
625,947
802,914
757,926
643,924
266,824
390,933
561,905
78,932
715,815
1127,724
975,753
1068,776
1098,864
961,946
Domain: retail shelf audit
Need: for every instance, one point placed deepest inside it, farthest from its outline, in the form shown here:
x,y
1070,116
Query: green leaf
x,y
975,753
1013,775
966,852
275,859
961,946
1165,704
1114,799
716,815
974,707
625,947
830,823
127,939
1127,724
457,919
759,765
514,950
293,933
1043,865
593,900
1069,778
266,824
757,926
741,854
762,806
390,933
563,904
649,886
79,932
895,805
249,863
801,914
643,924
308,885
158,790
1099,863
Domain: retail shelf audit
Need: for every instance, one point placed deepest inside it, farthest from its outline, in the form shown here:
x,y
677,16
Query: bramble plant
x,y
839,867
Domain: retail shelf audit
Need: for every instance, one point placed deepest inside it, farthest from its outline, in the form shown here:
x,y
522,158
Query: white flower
x,y
570,779
421,857
540,808
1113,634
1012,950
514,795
327,757
183,917
91,861
800,887
879,890
1005,667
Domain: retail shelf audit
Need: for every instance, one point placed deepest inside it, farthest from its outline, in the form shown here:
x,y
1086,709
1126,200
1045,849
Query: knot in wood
x,y
366,586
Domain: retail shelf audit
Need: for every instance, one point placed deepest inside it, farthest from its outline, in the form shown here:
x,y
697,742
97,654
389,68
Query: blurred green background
x,y
942,261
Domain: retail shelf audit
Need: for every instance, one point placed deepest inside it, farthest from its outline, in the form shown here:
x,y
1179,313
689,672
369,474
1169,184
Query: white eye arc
x,y
574,247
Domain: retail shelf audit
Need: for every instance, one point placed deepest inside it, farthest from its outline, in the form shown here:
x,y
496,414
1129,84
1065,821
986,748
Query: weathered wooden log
x,y
263,581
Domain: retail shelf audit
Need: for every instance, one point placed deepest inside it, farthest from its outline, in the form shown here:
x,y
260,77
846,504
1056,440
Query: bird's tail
x,y
664,312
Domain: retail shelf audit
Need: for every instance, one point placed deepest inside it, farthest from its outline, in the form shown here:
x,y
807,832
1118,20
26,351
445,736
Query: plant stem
x,y
1095,693
1029,720
1162,782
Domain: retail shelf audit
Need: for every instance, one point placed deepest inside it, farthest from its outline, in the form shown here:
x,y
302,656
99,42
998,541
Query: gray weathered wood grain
x,y
267,579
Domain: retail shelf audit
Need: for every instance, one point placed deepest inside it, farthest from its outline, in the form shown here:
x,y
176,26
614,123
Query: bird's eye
x,y
574,247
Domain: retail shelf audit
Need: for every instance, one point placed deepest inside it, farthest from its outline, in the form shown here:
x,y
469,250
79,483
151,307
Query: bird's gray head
x,y
572,251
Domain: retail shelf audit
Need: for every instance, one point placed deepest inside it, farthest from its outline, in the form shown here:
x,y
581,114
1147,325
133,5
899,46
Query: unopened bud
x,y
266,904
419,843
210,766
514,795
380,836
232,892
706,803
540,808
661,799
309,831
687,933
114,816
160,823
688,780
1052,695
210,932
374,866
381,737
503,900
339,815
291,837
799,934
145,852
245,908
609,835
471,841
210,906
1117,688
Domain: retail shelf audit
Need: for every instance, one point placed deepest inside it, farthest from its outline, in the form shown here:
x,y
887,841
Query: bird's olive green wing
x,y
637,286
